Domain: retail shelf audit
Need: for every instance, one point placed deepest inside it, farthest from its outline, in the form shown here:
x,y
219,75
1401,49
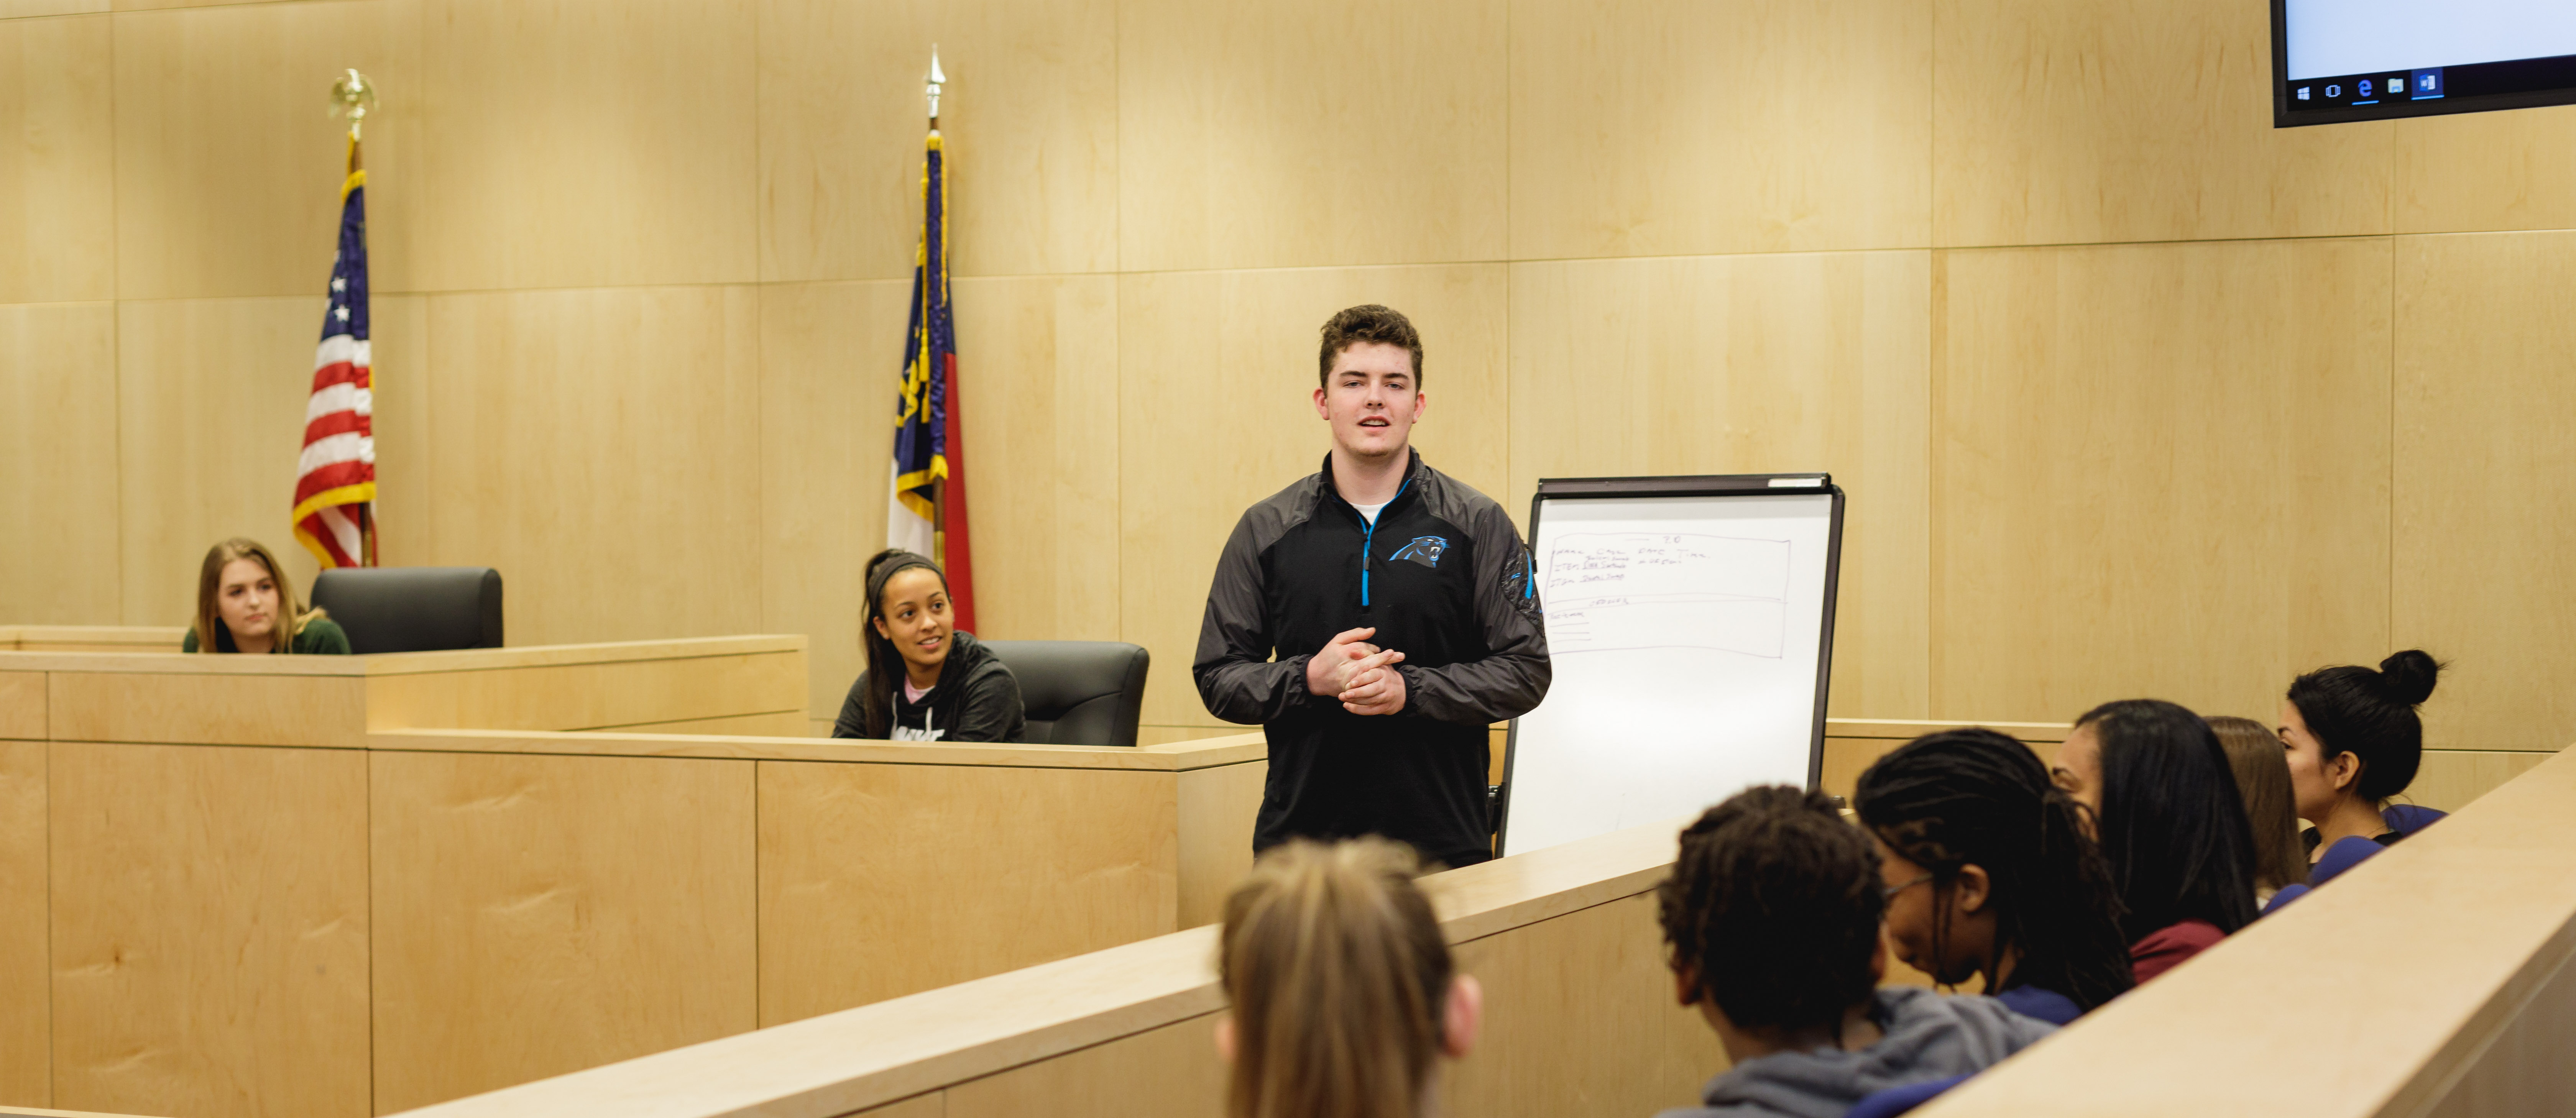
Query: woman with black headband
x,y
925,681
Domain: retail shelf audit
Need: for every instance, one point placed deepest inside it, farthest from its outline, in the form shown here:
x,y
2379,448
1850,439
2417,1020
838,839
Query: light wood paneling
x,y
1172,1070
2485,565
1613,1017
228,174
601,449
1069,862
1163,735
58,456
2108,120
401,424
1751,364
1030,123
208,709
2451,779
22,705
1847,758
2476,171
10,9
828,366
58,238
2158,471
785,723
1217,809
933,1105
590,696
1274,133
1039,387
26,964
1634,125
210,950
582,143
540,915
1216,379
210,401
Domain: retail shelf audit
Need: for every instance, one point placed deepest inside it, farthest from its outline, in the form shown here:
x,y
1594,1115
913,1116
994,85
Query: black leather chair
x,y
413,609
1077,692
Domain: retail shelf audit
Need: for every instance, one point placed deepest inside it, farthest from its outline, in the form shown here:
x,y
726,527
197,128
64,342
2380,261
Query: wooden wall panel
x,y
22,705
1030,124
1615,1016
540,915
2451,779
2492,170
298,710
1747,364
228,175
2060,121
1216,381
26,963
583,143
1072,862
210,403
1631,123
58,238
1267,133
2485,565
601,448
401,422
590,696
1173,1070
1216,807
58,455
1039,385
2158,471
210,951
828,372
15,8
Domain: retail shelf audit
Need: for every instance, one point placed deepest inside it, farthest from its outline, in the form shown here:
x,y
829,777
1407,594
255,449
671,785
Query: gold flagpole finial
x,y
937,79
353,96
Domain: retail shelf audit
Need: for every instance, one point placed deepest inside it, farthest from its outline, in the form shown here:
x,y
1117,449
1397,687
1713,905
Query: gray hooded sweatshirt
x,y
1929,1036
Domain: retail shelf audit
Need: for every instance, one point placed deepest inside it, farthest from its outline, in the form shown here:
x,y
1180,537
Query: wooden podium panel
x,y
22,705
209,930
26,1017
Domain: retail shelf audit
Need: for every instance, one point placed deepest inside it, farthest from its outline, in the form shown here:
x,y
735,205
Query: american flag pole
x,y
335,483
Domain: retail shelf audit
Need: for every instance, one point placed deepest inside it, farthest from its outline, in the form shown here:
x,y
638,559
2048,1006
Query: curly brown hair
x,y
1363,324
1773,909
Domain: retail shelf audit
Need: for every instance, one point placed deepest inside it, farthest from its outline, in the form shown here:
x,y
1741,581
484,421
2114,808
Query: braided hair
x,y
1977,797
1773,909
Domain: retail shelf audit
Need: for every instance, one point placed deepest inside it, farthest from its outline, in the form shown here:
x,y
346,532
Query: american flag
x,y
335,480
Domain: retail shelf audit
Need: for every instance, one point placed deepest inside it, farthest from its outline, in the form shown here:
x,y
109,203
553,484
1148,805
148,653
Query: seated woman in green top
x,y
243,598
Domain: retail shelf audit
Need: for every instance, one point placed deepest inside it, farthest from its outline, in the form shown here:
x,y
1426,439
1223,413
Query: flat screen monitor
x,y
2340,60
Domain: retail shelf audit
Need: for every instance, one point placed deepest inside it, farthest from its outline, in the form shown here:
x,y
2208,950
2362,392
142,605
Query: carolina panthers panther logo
x,y
1424,550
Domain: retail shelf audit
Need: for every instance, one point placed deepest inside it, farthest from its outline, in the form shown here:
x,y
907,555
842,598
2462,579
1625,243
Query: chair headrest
x,y
1056,676
413,609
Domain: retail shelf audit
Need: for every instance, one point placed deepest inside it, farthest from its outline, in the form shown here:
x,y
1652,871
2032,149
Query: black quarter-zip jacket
x,y
1444,578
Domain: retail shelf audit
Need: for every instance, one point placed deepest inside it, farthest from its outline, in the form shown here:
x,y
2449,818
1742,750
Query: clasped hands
x,y
1358,673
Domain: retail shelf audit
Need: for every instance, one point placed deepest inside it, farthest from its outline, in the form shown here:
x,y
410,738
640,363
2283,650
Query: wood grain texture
x,y
1847,758
10,9
199,382
540,915
1030,134
58,241
2486,469
2451,779
2524,1069
785,723
92,638
1265,134
58,456
210,950
2481,171
2058,121
590,696
1218,807
2094,405
1216,376
1035,866
1172,1070
22,705
1631,123
207,709
26,963
567,150
228,178
620,425
827,390
1751,364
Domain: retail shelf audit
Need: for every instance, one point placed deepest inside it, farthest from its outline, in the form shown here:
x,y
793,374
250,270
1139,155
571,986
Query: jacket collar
x,y
1411,489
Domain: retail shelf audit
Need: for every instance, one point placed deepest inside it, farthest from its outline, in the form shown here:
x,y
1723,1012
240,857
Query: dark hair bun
x,y
2408,676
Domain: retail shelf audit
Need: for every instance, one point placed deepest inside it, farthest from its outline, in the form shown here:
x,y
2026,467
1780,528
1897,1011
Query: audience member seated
x,y
1340,989
2165,811
2354,740
924,680
2262,773
1989,872
246,602
1772,917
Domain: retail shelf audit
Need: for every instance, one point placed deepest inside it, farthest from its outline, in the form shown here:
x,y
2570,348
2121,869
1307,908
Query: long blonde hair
x,y
1337,975
2263,778
212,634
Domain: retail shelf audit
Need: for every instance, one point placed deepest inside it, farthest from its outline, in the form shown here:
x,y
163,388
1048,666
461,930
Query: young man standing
x,y
1374,618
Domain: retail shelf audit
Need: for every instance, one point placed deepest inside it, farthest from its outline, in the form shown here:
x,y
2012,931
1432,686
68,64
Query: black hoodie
x,y
976,699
